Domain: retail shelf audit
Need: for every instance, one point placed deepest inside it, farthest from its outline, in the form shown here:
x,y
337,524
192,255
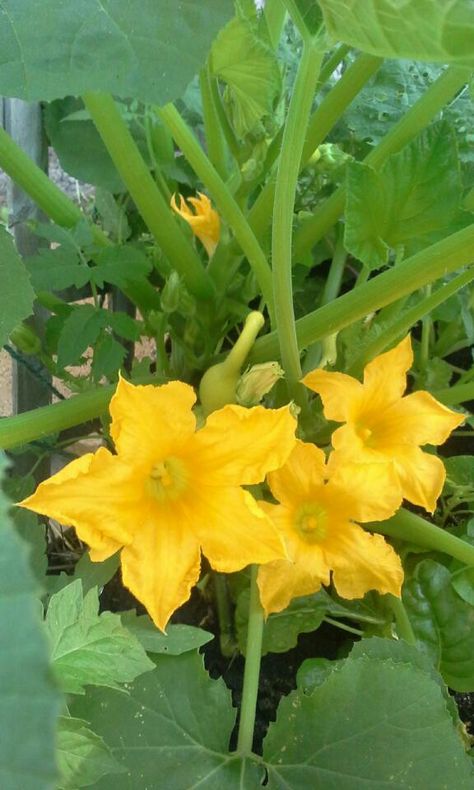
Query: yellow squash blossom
x,y
171,490
382,426
316,519
204,220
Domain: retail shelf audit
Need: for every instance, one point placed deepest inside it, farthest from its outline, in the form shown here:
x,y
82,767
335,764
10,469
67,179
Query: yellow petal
x,y
232,530
281,581
148,422
304,471
385,377
364,562
161,565
239,446
96,494
103,549
371,490
418,419
205,222
421,476
340,394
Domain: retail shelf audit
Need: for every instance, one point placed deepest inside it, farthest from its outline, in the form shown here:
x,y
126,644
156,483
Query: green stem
x,y
224,615
37,185
414,529
225,203
285,191
404,628
426,266
212,128
145,193
349,628
331,63
320,124
425,335
253,655
458,393
413,122
403,324
333,282
45,420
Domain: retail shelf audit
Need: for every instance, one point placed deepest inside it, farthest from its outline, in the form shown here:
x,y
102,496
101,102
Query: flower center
x,y
366,434
311,522
167,479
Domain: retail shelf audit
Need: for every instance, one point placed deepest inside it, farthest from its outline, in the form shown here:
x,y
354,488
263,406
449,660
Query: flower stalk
x,y
144,191
253,656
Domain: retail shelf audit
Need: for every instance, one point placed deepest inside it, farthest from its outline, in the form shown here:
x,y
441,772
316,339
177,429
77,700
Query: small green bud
x,y
171,293
25,339
256,382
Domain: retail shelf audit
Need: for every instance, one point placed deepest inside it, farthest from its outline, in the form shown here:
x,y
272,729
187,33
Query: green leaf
x,y
30,702
79,146
82,756
250,70
108,357
460,477
313,672
411,202
56,269
95,574
372,723
33,533
282,629
124,325
16,294
88,648
432,30
120,266
443,623
177,640
174,723
146,49
80,330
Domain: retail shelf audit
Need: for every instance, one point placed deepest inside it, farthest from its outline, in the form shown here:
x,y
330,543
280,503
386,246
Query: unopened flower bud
x,y
256,382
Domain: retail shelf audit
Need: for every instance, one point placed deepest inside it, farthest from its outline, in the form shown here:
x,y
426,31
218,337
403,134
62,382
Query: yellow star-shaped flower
x,y
171,490
204,220
383,426
316,519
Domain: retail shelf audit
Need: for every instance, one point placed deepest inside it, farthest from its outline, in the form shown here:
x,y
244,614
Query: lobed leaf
x,y
174,723
431,30
147,49
88,648
82,756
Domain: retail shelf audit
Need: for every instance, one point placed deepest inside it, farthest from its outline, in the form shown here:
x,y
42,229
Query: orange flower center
x,y
167,479
311,522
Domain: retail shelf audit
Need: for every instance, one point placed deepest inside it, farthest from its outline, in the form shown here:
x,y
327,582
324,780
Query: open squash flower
x,y
204,220
316,519
382,426
171,490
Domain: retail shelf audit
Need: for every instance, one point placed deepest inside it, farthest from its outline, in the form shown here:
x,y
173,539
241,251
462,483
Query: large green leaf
x,y
146,49
371,723
83,757
170,730
432,30
30,702
88,648
443,623
250,71
178,639
16,293
413,201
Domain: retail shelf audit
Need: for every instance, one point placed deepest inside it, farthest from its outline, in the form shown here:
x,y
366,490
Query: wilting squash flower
x,y
204,220
172,490
316,519
383,427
